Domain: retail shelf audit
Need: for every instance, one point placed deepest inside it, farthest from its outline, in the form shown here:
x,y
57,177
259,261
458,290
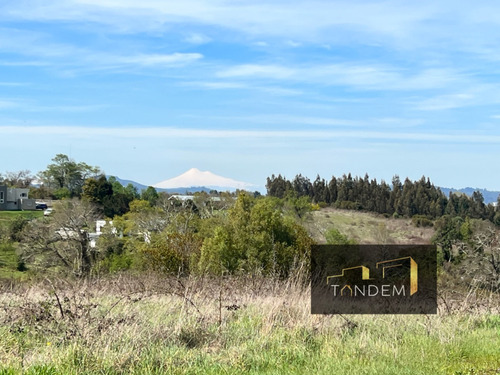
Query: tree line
x,y
408,198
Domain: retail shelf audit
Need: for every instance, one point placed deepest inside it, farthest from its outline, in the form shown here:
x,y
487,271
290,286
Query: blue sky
x,y
148,89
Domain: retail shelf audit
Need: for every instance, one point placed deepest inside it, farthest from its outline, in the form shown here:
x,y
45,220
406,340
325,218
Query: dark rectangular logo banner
x,y
373,279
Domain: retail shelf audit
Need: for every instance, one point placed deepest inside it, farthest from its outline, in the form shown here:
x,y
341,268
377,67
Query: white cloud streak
x,y
231,85
297,19
173,132
5,104
155,59
196,38
479,94
41,50
256,70
404,25
370,77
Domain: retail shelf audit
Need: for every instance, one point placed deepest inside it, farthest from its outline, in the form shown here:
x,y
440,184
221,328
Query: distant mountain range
x,y
140,187
489,196
195,180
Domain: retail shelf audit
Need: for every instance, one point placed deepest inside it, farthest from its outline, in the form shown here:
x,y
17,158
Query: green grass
x,y
8,255
364,227
9,262
154,326
6,217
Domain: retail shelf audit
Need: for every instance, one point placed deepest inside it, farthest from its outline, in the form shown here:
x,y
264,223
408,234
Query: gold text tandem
x,y
369,290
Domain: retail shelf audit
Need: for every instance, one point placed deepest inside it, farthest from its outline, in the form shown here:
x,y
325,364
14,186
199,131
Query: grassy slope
x,y
8,256
365,227
7,216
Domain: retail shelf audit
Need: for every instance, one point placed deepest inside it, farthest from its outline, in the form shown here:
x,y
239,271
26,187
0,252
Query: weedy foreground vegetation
x,y
158,325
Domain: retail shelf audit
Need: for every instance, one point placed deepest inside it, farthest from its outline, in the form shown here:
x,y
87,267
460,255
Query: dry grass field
x,y
365,227
157,325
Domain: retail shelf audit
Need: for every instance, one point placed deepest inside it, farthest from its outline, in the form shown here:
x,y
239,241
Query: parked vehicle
x,y
41,206
48,212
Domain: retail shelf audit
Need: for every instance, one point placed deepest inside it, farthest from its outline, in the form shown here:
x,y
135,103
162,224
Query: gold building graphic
x,y
362,273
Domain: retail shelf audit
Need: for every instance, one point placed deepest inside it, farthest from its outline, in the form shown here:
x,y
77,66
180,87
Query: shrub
x,y
16,227
334,237
171,253
421,221
256,238
348,205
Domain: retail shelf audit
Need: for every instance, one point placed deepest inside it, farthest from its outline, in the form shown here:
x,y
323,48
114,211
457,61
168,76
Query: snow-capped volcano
x,y
196,178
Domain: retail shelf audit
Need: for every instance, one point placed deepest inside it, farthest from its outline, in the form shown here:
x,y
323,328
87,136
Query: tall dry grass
x,y
156,324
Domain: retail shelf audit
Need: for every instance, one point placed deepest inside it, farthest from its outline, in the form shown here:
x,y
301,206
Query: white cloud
x,y
23,63
228,85
173,132
398,122
293,44
5,104
285,119
477,94
216,85
155,59
256,70
424,25
41,50
279,91
300,18
357,75
196,38
65,108
444,102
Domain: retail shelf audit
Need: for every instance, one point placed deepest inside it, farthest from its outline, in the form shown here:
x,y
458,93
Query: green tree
x,y
66,173
150,194
448,233
256,237
109,194
332,189
297,207
96,190
62,193
320,190
278,186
